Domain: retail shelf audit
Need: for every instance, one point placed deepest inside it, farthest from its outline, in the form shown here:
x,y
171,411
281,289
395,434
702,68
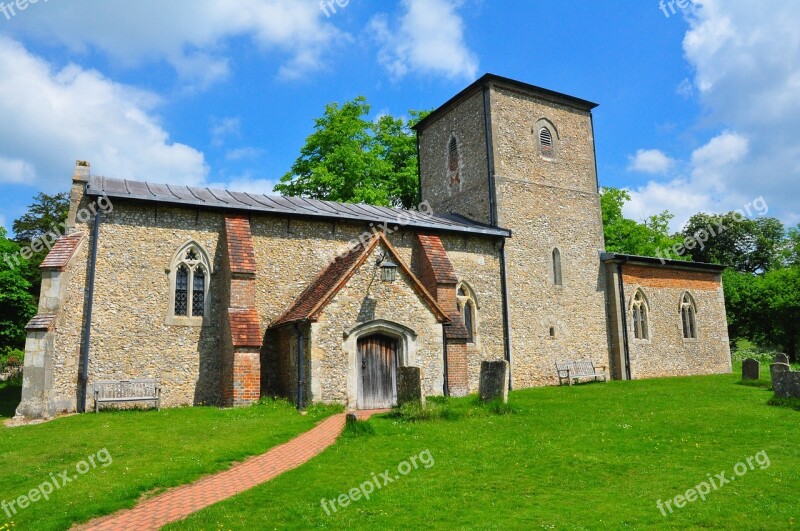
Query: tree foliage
x,y
353,160
626,236
747,245
16,301
765,308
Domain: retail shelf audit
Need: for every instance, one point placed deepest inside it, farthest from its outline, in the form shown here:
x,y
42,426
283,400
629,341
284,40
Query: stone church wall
x,y
667,353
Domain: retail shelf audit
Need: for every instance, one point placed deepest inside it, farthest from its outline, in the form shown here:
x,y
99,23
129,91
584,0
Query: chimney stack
x,y
82,172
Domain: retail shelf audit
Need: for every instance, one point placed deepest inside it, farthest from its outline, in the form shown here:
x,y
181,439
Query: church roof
x,y
284,206
322,290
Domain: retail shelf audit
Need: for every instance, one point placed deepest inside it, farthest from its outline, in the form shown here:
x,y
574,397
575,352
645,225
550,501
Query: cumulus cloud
x,y
190,35
652,161
248,184
428,38
746,60
222,128
53,116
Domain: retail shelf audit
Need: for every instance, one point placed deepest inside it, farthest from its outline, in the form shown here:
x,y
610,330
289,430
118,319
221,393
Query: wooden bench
x,y
111,391
574,370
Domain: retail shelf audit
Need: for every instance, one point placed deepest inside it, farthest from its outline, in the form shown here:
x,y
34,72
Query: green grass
x,y
151,451
586,457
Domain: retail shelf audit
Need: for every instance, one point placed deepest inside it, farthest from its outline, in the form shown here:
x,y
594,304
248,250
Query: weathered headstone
x,y
494,380
351,419
409,386
751,369
782,358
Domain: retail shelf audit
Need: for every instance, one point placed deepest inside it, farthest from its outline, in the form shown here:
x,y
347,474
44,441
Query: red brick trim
x,y
658,277
62,252
245,327
241,253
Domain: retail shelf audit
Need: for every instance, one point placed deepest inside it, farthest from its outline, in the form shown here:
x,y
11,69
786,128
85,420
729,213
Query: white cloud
x,y
15,171
429,39
248,184
52,117
221,128
652,161
190,35
243,153
746,59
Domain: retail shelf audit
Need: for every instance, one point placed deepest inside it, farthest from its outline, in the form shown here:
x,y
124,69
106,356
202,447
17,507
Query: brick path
x,y
180,502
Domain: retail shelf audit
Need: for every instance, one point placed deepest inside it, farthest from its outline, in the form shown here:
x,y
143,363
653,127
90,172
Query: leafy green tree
x,y
779,322
353,160
793,246
626,236
16,302
747,245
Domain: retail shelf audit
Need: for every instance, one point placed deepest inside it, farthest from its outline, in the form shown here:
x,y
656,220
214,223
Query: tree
x,y
16,302
623,235
353,160
44,221
793,246
747,245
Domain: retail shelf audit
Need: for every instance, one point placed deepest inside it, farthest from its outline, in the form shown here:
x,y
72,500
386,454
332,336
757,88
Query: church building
x,y
224,297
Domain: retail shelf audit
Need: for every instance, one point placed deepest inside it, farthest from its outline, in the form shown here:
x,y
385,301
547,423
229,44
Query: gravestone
x,y
351,419
409,386
782,358
751,369
494,380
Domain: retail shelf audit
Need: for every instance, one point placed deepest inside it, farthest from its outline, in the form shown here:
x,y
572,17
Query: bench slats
x,y
576,369
108,391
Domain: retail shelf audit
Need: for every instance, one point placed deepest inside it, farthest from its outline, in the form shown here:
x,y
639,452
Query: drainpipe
x,y
487,124
87,331
445,386
300,381
506,310
624,323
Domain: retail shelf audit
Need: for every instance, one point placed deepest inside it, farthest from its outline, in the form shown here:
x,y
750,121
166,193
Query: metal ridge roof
x,y
284,206
659,262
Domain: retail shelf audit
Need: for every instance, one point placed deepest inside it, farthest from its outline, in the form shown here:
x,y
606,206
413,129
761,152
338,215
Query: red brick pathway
x,y
180,502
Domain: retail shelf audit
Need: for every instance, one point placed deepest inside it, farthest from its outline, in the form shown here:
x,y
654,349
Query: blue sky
x,y
698,109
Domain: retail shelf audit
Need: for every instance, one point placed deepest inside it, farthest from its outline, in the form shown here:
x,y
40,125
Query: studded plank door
x,y
377,362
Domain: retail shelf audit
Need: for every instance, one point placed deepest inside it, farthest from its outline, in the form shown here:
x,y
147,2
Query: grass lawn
x,y
591,456
147,451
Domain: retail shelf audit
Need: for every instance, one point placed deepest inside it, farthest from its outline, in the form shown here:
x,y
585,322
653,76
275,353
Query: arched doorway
x,y
377,376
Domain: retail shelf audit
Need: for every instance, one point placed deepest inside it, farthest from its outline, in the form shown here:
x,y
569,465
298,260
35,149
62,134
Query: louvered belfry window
x,y
546,142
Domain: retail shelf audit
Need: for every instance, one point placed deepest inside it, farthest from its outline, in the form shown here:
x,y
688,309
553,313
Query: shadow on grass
x,y
10,394
789,403
447,409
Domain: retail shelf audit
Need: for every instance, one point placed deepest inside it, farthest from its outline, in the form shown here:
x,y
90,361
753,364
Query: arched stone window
x,y
558,277
641,316
688,316
454,164
190,278
546,139
467,305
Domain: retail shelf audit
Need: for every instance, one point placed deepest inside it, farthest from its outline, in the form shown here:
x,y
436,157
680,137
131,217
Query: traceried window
x,y
558,278
453,164
641,317
189,274
467,306
688,317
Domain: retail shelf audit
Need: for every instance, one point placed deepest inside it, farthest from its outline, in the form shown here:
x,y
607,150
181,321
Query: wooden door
x,y
377,382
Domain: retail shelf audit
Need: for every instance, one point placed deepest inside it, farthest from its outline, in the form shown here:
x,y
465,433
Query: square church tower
x,y
509,154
